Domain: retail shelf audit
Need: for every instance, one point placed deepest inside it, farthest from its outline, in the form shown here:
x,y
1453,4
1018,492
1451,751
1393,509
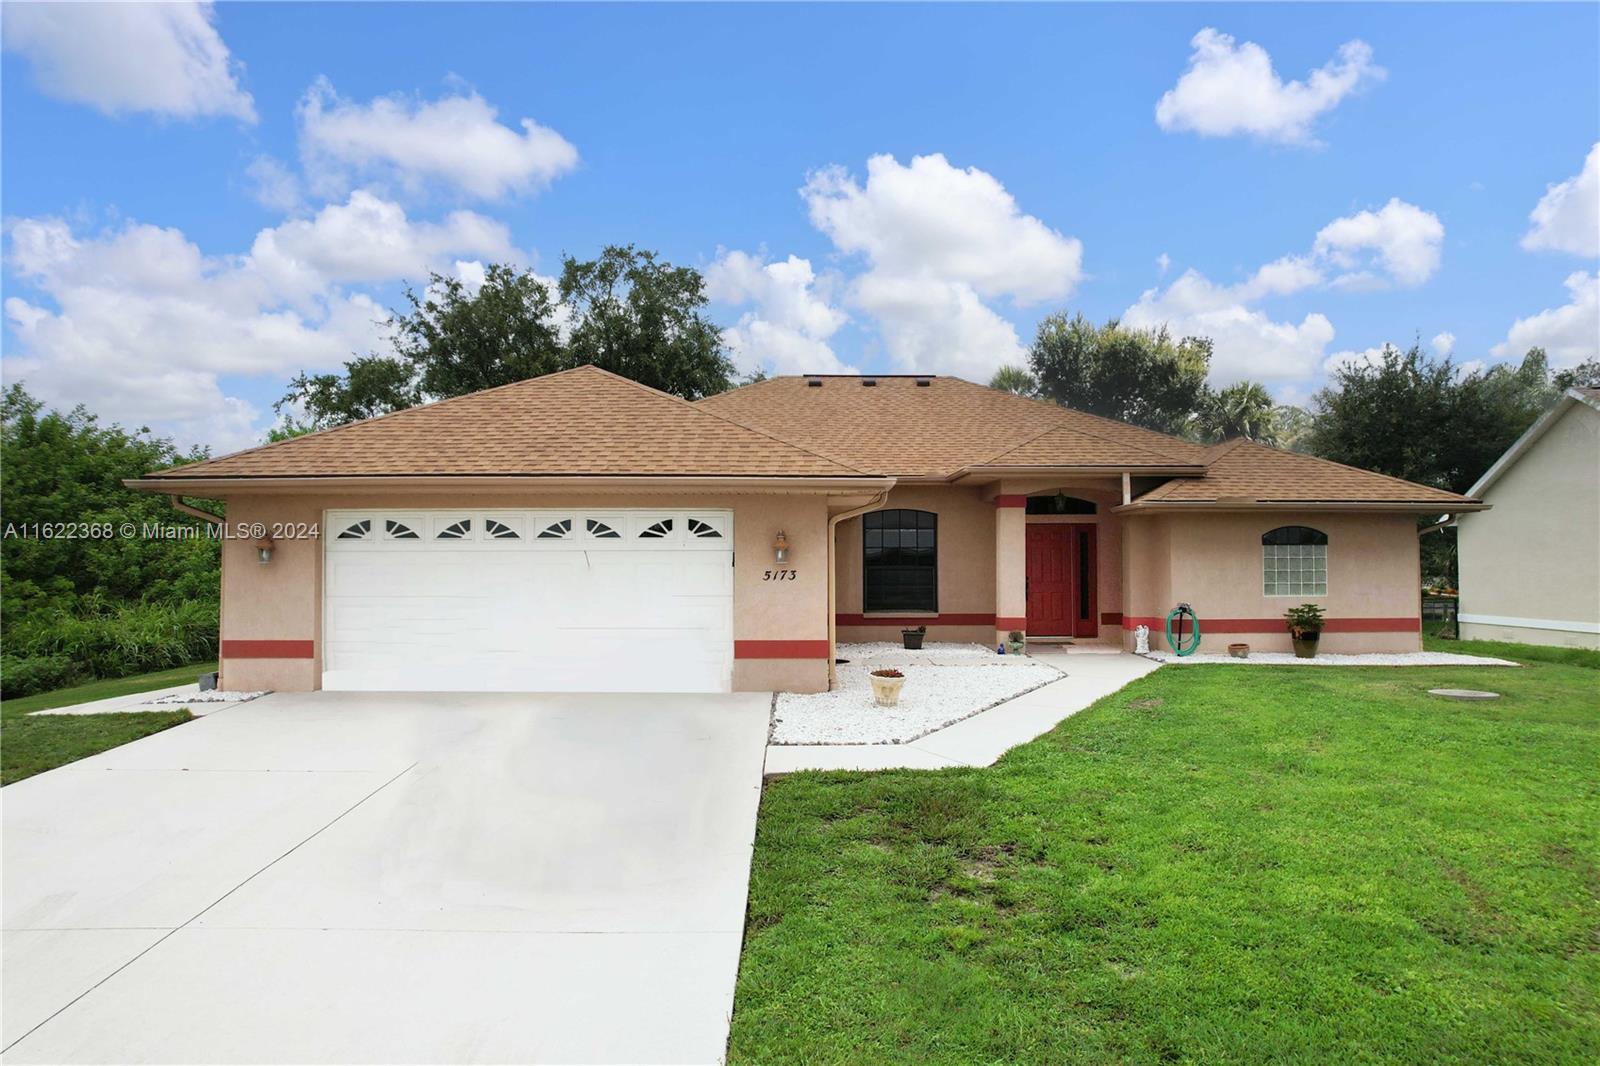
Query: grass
x,y
31,745
1215,864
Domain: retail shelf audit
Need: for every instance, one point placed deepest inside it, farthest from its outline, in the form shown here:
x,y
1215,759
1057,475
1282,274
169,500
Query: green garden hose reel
x,y
1183,645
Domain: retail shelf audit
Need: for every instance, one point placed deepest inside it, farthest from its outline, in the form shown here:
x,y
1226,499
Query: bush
x,y
104,640
24,676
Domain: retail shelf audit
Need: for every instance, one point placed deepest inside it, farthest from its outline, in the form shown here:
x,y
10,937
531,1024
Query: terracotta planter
x,y
886,690
1305,645
1239,651
912,639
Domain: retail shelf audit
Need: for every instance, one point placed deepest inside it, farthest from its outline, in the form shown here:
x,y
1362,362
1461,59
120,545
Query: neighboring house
x,y
580,531
1530,568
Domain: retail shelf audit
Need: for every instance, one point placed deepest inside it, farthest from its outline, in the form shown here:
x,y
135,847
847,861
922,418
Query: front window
x,y
900,571
1294,562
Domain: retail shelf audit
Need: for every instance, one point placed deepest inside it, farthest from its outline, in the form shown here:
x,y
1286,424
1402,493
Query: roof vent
x,y
813,383
923,383
868,382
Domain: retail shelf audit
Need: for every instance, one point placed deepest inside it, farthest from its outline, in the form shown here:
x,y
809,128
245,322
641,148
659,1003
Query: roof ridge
x,y
327,430
1080,432
694,406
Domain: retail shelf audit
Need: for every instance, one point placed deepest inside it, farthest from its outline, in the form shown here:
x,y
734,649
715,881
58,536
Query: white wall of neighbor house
x,y
1530,566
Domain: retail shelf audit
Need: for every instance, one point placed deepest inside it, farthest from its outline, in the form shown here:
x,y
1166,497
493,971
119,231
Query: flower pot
x,y
1239,651
1305,645
886,690
912,639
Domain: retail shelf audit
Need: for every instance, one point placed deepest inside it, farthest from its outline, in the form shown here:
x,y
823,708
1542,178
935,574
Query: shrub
x,y
104,640
24,676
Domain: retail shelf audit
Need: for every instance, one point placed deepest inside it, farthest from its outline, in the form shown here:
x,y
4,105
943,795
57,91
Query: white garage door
x,y
528,601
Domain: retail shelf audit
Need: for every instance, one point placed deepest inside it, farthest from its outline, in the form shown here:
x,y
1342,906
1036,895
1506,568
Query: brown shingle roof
x,y
898,427
1245,469
578,422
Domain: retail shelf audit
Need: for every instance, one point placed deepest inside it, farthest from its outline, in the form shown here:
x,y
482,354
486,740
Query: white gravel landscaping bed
x,y
209,696
1283,658
944,684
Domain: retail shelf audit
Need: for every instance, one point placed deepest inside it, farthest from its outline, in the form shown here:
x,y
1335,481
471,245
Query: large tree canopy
x,y
1244,409
1135,375
626,312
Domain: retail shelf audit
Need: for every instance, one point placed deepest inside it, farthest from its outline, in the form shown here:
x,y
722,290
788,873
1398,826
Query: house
x,y
1530,568
580,531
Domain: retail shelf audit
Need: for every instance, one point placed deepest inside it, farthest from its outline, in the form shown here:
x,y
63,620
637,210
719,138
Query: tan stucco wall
x,y
282,600
1535,556
966,563
1213,563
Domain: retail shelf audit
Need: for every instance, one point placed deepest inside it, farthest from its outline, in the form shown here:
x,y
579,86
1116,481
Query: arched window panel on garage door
x,y
453,527
503,530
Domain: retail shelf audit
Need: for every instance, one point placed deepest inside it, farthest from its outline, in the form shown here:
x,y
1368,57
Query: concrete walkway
x,y
362,877
983,738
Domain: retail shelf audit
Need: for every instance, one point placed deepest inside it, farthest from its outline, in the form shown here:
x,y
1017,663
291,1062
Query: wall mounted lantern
x,y
264,548
780,547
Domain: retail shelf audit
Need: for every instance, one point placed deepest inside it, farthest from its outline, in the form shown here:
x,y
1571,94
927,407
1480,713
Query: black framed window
x,y
900,567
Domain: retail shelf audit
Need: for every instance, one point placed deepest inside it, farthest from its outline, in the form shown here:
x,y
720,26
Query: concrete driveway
x,y
340,877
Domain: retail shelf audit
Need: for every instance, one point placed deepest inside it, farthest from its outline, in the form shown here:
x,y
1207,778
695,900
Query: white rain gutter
x,y
833,582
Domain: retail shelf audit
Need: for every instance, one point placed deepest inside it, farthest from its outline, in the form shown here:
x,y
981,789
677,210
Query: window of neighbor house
x,y
1294,562
900,569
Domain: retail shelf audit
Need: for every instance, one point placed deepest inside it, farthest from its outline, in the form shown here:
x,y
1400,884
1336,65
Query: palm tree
x,y
1240,410
1014,379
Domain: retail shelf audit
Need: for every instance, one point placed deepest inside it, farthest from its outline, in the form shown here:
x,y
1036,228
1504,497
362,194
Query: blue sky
x,y
200,202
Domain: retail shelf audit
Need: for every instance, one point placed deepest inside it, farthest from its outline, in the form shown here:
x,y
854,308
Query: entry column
x,y
1010,565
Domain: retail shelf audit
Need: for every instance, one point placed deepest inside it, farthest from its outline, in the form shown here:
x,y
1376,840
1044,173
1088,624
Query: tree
x,y
67,468
1014,379
1135,375
1240,410
643,319
1294,426
625,311
1585,375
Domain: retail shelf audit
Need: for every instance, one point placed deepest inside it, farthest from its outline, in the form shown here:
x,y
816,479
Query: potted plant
x,y
886,685
912,638
1015,642
1305,629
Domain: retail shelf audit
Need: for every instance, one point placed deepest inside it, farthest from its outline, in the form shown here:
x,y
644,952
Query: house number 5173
x,y
779,575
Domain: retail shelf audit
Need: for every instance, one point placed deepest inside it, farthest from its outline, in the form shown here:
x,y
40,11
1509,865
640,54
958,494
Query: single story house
x,y
1546,525
580,531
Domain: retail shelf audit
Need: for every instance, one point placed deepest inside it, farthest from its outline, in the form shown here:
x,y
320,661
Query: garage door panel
x,y
648,611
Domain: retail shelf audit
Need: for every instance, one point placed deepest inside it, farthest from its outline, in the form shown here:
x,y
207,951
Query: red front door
x,y
1061,580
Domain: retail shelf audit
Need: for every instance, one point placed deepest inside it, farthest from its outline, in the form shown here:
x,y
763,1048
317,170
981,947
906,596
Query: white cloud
x,y
140,324
1232,89
1444,344
368,239
787,332
1367,357
1163,264
1248,344
1567,217
1401,240
164,58
939,241
1569,334
455,141
273,185
930,219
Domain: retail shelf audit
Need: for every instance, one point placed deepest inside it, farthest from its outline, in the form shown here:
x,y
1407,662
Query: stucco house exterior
x,y
1530,568
581,531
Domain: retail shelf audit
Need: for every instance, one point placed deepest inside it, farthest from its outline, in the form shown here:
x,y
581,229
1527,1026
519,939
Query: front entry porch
x,y
1061,579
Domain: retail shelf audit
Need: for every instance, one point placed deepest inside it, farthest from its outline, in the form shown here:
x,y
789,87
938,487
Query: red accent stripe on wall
x,y
1277,625
1003,622
1111,618
268,649
917,620
781,649
1011,501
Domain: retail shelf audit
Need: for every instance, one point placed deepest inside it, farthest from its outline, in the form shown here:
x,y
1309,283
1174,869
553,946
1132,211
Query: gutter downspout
x,y
194,512
833,626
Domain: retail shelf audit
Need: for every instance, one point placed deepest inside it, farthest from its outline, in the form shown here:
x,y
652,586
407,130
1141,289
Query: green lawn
x,y
1255,864
33,744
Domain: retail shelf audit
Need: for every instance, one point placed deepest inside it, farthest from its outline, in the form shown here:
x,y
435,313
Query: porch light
x,y
264,548
780,547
